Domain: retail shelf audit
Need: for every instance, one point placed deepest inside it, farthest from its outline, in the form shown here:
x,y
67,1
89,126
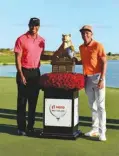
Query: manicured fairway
x,y
13,145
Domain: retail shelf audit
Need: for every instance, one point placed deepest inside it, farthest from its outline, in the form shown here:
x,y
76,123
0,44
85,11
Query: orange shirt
x,y
90,56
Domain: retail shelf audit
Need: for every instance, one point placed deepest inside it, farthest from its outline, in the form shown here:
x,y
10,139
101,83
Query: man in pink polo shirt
x,y
28,49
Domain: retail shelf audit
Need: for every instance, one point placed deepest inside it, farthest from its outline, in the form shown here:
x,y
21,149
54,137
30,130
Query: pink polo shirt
x,y
31,50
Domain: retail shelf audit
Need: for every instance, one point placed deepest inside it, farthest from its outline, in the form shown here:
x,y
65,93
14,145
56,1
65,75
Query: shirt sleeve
x,y
42,45
18,46
102,52
80,52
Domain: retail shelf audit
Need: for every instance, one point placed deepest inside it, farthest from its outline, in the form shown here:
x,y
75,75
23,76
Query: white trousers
x,y
96,98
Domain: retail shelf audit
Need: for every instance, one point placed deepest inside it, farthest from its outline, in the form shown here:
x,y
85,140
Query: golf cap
x,y
86,27
34,21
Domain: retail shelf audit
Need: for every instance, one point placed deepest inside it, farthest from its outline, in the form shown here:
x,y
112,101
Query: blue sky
x,y
58,17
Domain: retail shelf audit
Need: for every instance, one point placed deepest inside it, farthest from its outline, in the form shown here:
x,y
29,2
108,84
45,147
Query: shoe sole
x,y
21,134
93,135
102,139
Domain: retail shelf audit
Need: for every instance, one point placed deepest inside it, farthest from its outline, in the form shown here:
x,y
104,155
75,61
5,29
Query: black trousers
x,y
27,93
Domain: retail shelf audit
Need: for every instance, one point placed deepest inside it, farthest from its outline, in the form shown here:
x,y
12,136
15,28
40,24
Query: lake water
x,y
112,77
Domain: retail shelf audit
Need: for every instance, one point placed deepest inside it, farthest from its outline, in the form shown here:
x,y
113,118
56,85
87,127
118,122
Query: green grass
x,y
5,59
10,59
11,144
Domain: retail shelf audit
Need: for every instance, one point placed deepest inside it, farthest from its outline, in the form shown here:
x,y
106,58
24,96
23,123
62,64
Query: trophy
x,y
62,60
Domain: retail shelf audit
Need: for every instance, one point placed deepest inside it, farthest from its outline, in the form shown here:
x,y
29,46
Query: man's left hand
x,y
100,84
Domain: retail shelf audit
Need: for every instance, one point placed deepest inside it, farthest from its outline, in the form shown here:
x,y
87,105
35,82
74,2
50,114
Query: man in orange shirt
x,y
93,59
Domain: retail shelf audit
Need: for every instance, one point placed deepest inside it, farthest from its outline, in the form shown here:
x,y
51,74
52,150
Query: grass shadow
x,y
10,129
84,120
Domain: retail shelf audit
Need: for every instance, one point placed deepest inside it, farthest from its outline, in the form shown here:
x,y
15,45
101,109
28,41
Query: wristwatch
x,y
101,79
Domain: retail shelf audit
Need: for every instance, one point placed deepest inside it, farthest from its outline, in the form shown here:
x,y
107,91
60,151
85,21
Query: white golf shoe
x,y
102,137
92,133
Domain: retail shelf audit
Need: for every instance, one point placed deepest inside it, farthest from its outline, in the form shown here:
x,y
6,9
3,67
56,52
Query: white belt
x,y
93,75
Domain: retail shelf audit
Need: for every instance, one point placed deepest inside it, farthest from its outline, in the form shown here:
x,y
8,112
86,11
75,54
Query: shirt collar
x,y
29,35
90,44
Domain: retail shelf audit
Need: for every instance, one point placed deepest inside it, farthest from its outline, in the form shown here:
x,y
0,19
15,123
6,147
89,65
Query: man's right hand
x,y
18,66
23,79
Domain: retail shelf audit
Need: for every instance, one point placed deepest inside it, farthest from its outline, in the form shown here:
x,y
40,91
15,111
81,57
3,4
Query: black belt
x,y
29,69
